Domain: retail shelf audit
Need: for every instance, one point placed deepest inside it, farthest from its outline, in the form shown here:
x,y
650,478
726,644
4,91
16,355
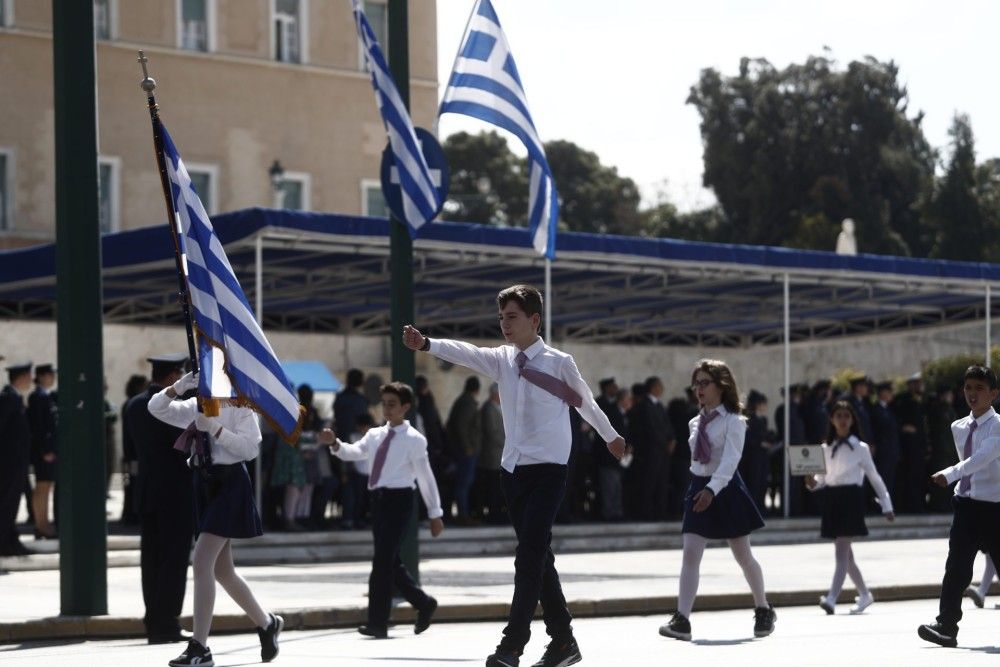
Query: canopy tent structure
x,y
313,373
330,273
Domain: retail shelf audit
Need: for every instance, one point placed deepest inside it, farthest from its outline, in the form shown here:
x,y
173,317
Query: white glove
x,y
187,382
206,424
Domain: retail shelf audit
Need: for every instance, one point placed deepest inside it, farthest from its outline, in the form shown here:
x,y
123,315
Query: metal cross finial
x,y
148,83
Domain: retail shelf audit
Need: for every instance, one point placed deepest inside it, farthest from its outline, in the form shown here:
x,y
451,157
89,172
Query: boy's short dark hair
x,y
472,383
400,389
526,296
355,377
982,373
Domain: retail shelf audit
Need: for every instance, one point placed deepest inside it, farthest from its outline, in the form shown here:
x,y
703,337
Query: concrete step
x,y
355,546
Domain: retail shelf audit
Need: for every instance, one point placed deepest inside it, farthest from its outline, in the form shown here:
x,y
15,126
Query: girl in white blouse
x,y
848,462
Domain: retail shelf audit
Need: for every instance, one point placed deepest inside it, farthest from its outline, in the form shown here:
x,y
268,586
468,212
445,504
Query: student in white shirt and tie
x,y
976,522
397,454
538,384
848,462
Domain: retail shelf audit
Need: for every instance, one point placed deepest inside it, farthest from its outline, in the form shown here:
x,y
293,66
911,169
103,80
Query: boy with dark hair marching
x,y
397,454
537,383
976,522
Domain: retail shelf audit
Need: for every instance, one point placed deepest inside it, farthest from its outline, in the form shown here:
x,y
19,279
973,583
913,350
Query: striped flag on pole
x,y
485,85
236,361
421,201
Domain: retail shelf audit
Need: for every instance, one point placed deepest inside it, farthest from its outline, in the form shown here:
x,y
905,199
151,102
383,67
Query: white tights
x,y
988,573
845,565
694,549
213,561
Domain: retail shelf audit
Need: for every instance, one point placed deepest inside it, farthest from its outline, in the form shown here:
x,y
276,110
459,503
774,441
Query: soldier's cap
x,y
606,382
860,379
168,362
916,377
882,386
16,370
42,369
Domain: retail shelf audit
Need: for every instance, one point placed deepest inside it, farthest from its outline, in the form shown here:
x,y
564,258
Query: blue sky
x,y
613,75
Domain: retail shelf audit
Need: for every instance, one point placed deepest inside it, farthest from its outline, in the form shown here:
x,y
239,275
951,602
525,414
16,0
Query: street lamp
x,y
277,174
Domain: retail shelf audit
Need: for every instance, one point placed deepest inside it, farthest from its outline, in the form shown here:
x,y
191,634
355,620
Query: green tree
x,y
955,211
988,195
488,182
790,153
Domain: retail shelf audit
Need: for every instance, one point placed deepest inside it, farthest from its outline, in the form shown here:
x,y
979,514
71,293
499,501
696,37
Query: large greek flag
x,y
485,85
420,196
235,359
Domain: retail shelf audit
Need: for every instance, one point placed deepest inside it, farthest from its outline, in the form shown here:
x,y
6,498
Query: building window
x,y
105,12
378,16
108,192
6,190
372,201
205,180
293,192
289,30
196,25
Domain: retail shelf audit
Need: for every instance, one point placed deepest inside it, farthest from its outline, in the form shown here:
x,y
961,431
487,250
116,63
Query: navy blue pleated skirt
x,y
843,511
733,513
224,503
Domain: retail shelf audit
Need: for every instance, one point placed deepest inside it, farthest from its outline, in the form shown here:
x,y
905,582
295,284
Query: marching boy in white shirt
x,y
537,383
397,454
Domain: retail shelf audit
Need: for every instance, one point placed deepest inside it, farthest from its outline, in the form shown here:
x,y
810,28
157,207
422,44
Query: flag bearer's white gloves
x,y
187,382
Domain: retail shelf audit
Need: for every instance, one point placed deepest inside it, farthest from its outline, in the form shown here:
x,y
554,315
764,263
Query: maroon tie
x,y
703,446
379,462
553,385
966,482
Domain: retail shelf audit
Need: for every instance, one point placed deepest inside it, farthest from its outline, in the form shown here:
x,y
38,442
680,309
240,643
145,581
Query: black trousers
x,y
975,527
164,552
533,494
11,486
391,509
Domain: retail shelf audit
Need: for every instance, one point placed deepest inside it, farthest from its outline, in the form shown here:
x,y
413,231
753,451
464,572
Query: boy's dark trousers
x,y
391,510
975,527
533,494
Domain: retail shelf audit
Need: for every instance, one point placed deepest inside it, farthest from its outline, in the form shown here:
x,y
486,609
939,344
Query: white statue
x,y
846,243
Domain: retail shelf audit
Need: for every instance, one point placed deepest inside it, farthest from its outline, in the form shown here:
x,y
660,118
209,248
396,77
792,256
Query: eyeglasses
x,y
701,384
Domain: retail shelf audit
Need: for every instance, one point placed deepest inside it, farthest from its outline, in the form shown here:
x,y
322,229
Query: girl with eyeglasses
x,y
717,504
848,462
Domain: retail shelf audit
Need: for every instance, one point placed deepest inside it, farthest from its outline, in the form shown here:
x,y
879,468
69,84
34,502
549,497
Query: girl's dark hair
x,y
136,385
723,379
831,431
754,400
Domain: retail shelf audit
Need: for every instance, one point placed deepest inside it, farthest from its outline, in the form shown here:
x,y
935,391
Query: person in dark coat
x,y
754,463
15,454
609,469
42,414
654,442
632,480
680,411
814,411
465,440
166,507
886,430
940,416
799,503
130,465
911,482
442,463
860,388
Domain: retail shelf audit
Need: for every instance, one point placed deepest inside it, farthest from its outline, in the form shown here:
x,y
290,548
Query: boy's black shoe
x,y
504,657
372,631
560,654
194,654
424,616
170,638
679,627
939,634
269,638
763,621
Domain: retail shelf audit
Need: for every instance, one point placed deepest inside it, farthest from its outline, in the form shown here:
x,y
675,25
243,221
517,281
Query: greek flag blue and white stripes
x,y
485,85
235,359
421,201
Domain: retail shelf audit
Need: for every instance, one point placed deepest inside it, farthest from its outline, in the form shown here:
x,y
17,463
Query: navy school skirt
x,y
843,511
733,513
224,503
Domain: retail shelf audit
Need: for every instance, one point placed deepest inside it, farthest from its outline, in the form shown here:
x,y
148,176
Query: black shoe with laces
x,y
937,633
269,638
374,632
504,657
195,654
763,621
424,616
679,627
560,654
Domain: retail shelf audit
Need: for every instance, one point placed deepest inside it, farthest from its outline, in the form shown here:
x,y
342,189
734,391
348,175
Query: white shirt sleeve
x,y
425,480
485,360
589,409
732,451
357,451
868,465
986,452
244,440
171,411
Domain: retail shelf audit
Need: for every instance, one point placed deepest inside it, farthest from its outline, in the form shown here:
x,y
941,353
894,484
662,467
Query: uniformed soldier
x,y
42,413
15,452
165,507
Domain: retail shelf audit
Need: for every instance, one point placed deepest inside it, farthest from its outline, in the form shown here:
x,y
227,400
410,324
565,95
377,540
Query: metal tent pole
x,y
785,502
